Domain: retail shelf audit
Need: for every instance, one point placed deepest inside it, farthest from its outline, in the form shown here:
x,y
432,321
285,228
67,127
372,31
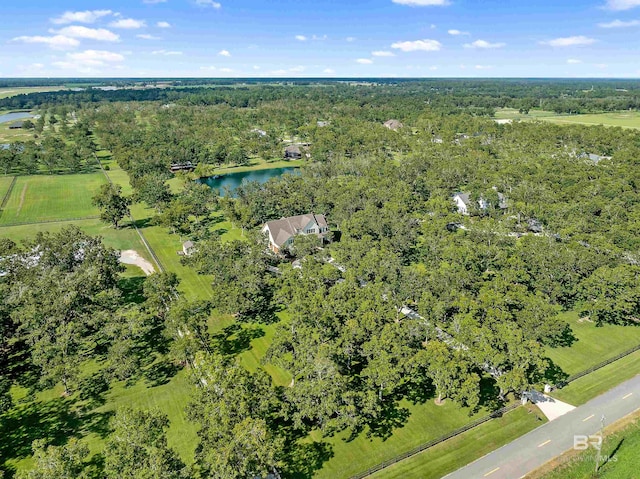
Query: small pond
x,y
233,180
19,115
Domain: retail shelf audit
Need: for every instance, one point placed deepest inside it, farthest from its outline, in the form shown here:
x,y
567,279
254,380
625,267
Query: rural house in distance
x,y
281,232
464,203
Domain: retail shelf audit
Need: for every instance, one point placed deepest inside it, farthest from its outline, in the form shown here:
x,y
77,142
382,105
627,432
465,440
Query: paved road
x,y
532,450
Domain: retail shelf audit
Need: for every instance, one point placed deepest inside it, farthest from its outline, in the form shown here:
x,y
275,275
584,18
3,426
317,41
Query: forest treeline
x,y
475,96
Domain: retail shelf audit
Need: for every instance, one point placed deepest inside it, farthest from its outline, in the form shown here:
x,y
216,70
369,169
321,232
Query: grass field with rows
x,y
41,198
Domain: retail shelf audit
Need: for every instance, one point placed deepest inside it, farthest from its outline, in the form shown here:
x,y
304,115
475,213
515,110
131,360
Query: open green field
x,y
461,450
13,91
5,182
582,390
594,344
8,135
624,119
121,239
51,416
57,197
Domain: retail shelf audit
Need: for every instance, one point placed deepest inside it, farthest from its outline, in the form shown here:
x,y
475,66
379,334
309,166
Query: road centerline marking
x,y
491,472
627,396
544,443
587,418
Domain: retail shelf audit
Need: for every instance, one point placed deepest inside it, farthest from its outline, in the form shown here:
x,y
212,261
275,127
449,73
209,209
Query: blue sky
x,y
306,38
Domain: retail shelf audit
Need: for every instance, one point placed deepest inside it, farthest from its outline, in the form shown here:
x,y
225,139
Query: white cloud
x,y
382,53
602,66
569,41
318,37
226,70
78,31
364,61
455,32
483,67
622,4
57,42
433,68
88,60
301,38
298,69
328,71
573,61
208,3
146,36
129,23
484,44
153,2
423,3
165,52
256,67
619,24
418,45
224,53
88,16
350,39
163,25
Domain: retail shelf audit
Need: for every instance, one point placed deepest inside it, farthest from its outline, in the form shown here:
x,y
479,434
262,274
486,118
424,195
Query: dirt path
x,y
22,195
132,257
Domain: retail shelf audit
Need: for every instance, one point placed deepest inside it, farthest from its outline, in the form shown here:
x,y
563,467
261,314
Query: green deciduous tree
x,y
113,206
137,448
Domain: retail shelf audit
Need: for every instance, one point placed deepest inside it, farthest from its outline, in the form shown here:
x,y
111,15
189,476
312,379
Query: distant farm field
x,y
624,119
56,197
13,91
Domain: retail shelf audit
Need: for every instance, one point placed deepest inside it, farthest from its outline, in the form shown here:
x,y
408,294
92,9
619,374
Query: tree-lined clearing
x,y
594,344
623,119
57,197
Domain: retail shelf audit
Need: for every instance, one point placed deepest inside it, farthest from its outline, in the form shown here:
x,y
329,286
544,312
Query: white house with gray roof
x,y
281,232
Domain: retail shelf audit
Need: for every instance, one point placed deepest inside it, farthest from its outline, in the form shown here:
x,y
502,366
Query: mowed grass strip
x,y
57,197
5,183
465,448
593,345
426,422
582,390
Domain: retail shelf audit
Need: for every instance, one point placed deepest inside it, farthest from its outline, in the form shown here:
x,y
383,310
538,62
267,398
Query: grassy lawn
x,y
582,390
166,247
5,182
8,135
48,415
593,345
120,239
56,197
461,450
426,422
257,164
624,119
621,444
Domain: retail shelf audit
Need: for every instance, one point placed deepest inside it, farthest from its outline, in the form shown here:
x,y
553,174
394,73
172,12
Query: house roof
x,y
283,229
188,245
17,124
393,124
293,149
464,197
